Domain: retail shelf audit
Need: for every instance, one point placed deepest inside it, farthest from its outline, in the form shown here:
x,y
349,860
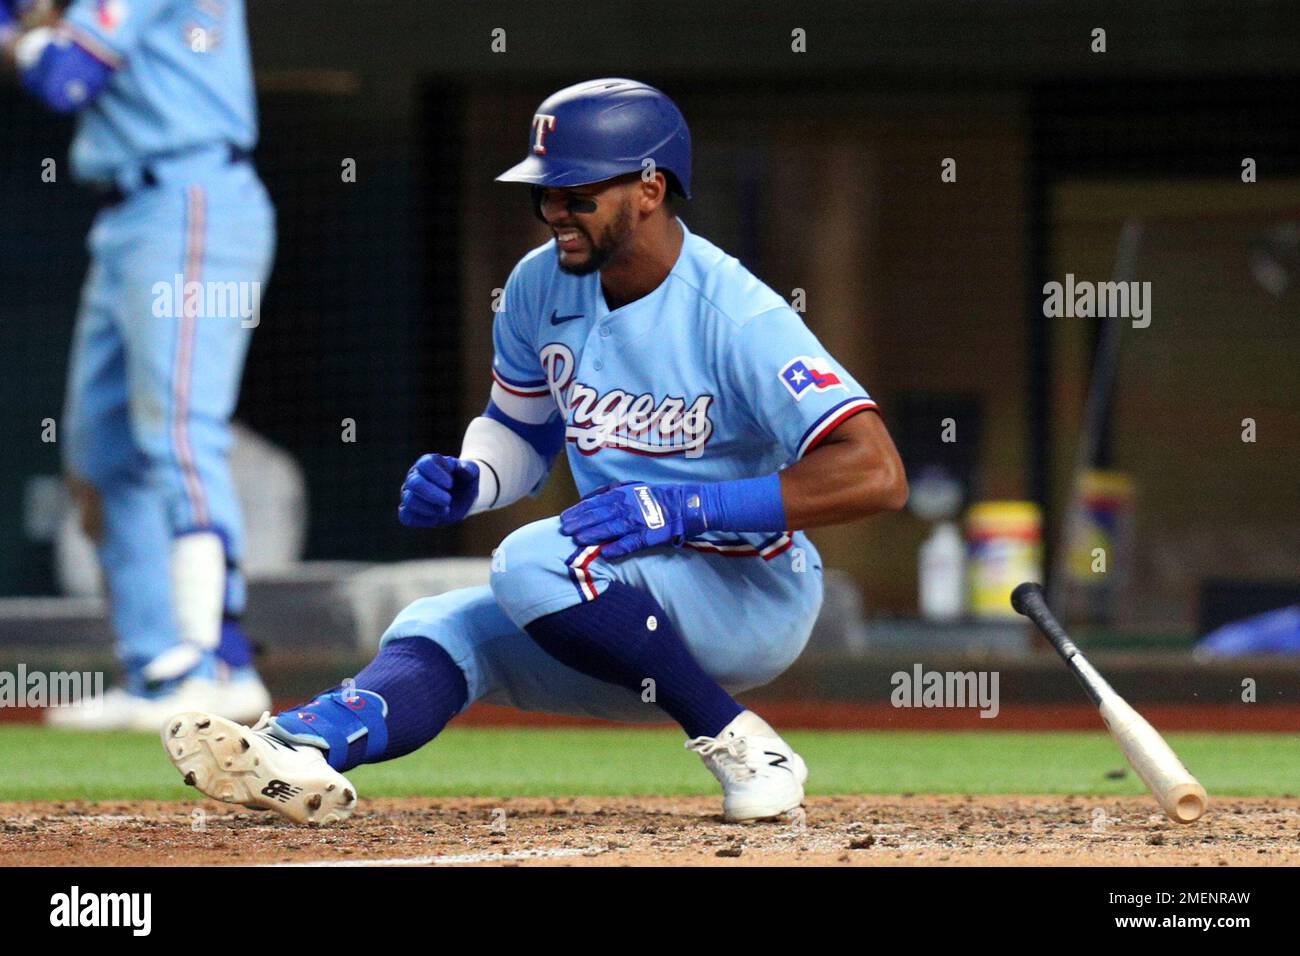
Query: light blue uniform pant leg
x,y
98,448
743,619
185,356
154,383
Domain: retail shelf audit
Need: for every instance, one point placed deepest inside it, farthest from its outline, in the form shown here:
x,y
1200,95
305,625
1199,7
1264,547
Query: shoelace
x,y
729,754
709,746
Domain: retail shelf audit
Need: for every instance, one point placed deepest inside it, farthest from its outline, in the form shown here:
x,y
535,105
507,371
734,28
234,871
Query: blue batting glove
x,y
439,490
633,516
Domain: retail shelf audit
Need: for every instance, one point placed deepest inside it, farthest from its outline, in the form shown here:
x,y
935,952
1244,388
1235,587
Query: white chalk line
x,y
452,859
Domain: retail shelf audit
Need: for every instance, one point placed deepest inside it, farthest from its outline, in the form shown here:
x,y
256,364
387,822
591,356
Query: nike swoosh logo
x,y
558,319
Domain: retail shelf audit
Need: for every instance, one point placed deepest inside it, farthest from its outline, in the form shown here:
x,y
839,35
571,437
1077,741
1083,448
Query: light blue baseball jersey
x,y
182,79
710,377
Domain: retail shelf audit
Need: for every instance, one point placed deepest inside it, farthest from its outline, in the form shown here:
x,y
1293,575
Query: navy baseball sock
x,y
400,701
623,637
424,689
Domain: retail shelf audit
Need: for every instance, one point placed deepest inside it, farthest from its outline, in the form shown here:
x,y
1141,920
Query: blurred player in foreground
x,y
163,95
701,419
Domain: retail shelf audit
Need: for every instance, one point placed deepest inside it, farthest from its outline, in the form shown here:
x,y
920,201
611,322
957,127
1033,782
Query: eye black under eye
x,y
574,203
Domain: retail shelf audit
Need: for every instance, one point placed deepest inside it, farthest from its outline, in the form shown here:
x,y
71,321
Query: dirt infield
x,y
599,831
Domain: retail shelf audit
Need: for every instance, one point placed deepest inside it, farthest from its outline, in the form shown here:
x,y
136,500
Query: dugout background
x,y
820,171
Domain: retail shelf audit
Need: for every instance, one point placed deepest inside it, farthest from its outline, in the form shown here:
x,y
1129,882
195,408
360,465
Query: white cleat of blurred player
x,y
248,766
240,699
761,776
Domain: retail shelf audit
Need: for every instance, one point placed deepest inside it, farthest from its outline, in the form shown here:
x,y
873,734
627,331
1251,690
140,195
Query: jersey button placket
x,y
601,329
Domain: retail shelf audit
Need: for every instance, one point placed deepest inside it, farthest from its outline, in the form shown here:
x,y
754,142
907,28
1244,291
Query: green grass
x,y
37,764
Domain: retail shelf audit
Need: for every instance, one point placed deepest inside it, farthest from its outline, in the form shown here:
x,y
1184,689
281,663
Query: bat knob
x,y
1021,594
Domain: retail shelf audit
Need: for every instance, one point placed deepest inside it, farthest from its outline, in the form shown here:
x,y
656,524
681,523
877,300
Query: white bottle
x,y
942,567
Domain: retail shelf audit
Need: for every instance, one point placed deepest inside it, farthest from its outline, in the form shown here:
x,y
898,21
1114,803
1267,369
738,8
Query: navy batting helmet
x,y
600,129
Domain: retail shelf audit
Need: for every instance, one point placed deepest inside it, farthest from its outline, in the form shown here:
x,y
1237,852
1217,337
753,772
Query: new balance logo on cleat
x,y
279,790
780,760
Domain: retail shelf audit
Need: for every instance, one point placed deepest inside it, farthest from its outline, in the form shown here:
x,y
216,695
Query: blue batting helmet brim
x,y
536,171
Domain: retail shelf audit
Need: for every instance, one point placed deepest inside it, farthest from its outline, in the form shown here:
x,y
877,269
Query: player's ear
x,y
651,192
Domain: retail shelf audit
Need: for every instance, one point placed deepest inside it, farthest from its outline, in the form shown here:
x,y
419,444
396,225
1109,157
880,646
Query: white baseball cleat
x,y
241,700
761,775
119,709
113,711
247,765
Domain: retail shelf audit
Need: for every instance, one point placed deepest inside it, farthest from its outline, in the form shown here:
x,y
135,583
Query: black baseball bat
x,y
1178,792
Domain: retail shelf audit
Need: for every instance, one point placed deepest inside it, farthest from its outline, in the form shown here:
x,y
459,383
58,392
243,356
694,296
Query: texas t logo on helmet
x,y
544,123
599,129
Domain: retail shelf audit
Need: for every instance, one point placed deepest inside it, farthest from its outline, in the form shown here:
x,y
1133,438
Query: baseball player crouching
x,y
702,422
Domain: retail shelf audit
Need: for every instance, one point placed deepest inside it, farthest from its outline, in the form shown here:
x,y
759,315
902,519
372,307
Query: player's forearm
x,y
509,466
855,473
849,477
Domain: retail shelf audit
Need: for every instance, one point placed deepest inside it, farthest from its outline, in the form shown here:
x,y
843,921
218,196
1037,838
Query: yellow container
x,y
1005,540
1103,519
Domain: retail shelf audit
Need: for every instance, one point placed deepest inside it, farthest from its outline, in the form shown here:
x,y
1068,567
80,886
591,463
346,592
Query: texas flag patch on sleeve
x,y
802,374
